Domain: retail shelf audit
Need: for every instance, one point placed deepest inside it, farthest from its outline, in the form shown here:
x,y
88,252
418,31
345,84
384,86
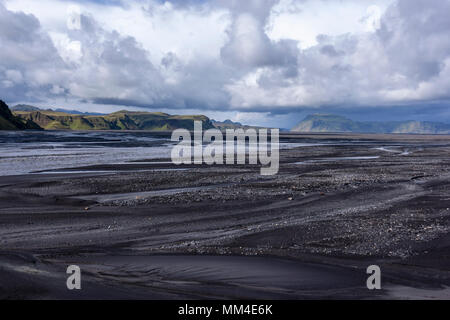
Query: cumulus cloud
x,y
86,63
29,63
406,59
249,46
113,67
227,55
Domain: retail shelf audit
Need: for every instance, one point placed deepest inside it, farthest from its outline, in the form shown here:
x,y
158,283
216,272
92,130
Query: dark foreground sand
x,y
146,231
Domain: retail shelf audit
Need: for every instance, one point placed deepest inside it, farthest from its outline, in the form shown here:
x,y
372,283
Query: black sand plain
x,y
153,230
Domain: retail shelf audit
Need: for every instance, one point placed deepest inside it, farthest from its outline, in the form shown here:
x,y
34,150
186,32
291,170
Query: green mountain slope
x,y
122,120
334,123
8,121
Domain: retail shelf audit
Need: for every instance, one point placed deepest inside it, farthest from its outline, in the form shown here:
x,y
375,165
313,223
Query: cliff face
x,y
8,121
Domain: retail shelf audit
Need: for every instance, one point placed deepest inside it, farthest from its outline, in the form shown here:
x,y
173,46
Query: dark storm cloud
x,y
406,62
415,34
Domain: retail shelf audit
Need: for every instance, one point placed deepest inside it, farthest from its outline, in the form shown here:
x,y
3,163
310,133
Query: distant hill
x,y
228,124
24,107
28,108
8,121
335,123
122,120
78,112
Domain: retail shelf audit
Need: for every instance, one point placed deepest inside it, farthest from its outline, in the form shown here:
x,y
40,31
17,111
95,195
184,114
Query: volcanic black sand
x,y
153,230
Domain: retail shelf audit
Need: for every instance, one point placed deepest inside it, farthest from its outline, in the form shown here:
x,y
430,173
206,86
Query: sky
x,y
260,62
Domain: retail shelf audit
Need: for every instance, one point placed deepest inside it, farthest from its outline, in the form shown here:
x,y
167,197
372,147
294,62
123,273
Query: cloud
x,y
406,59
270,56
113,66
90,63
28,57
249,47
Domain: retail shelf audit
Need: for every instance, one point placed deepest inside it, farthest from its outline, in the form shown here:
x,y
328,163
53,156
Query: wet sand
x,y
122,276
143,230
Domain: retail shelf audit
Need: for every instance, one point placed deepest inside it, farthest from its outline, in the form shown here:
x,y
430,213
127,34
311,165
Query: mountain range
x,y
121,120
30,117
228,124
335,123
26,107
